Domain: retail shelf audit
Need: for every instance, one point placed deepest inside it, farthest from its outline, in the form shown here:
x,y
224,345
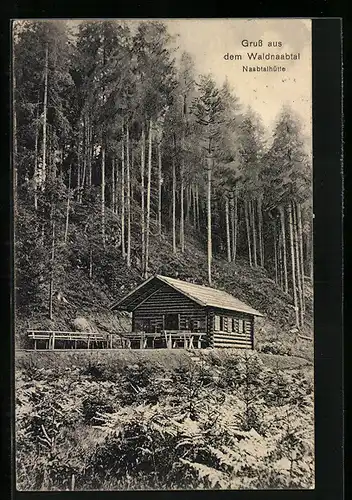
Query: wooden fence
x,y
142,340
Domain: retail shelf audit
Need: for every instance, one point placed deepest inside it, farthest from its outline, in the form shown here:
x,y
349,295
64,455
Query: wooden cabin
x,y
168,312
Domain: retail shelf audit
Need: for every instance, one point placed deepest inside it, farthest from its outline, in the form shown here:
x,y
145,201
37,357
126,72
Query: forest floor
x,y
163,419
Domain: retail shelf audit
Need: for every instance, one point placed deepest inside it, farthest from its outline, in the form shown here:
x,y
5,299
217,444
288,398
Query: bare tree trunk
x,y
173,206
182,192
228,237
188,206
91,262
293,266
45,110
146,264
79,159
116,187
182,215
260,228
236,224
194,215
113,187
123,248
14,127
35,176
283,236
68,204
103,191
197,207
246,203
300,238
143,195
128,181
84,155
275,252
254,234
51,284
90,155
281,271
232,225
298,263
209,221
159,189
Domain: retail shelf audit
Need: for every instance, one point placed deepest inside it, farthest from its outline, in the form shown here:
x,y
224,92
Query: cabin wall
x,y
164,301
230,329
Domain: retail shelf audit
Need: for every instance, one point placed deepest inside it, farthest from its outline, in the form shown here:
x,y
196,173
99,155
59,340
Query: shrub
x,y
276,347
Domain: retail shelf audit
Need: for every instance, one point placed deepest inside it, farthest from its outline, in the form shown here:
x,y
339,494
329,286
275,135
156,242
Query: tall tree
x,y
207,107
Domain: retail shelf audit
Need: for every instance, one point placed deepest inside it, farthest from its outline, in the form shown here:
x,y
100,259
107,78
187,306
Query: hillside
x,y
82,297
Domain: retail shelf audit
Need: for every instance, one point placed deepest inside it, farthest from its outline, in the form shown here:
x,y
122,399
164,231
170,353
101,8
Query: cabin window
x,y
217,323
248,326
234,324
240,326
229,324
220,323
172,322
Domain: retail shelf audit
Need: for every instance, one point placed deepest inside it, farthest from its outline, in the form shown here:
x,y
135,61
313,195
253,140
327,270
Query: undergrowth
x,y
221,422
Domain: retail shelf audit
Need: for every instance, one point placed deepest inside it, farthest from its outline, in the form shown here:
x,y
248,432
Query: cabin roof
x,y
202,295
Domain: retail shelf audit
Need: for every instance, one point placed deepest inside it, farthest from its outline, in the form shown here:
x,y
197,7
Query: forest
x,y
127,163
119,147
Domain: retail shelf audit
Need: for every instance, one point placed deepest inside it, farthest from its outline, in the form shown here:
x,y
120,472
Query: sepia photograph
x,y
163,254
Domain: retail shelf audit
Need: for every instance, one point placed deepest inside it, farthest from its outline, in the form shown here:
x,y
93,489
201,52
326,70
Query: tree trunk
x,y
300,239
197,207
293,266
284,252
173,205
68,204
90,156
232,225
128,181
281,270
79,159
45,110
254,233
146,264
123,193
228,237
113,187
182,215
143,196
188,206
194,212
91,262
116,187
35,176
246,203
275,252
51,284
260,229
298,263
209,221
14,127
103,191
159,189
84,155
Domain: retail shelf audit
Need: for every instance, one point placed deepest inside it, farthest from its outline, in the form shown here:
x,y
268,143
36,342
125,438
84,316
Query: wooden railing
x,y
51,336
170,337
165,338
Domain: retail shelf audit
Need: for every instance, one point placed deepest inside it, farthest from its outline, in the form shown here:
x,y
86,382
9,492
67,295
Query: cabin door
x,y
172,322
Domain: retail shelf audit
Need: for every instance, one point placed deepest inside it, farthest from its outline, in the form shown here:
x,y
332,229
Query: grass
x,y
164,359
